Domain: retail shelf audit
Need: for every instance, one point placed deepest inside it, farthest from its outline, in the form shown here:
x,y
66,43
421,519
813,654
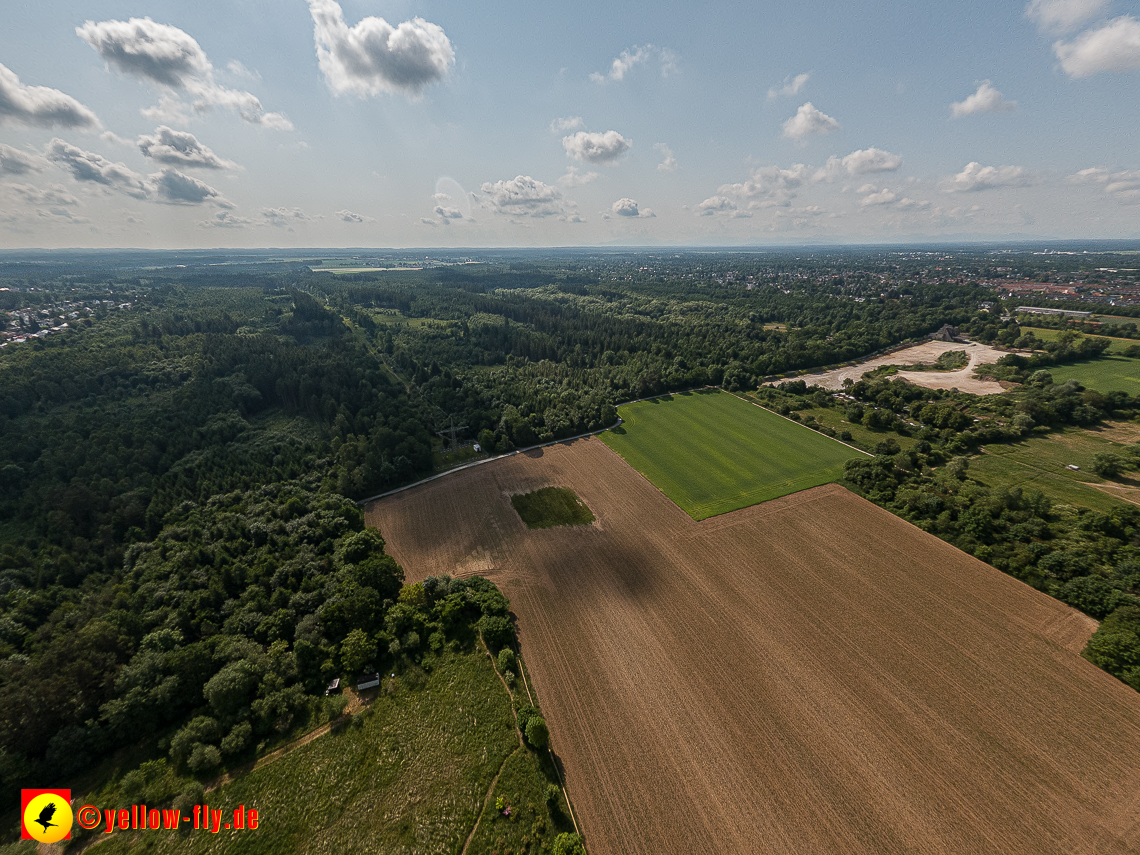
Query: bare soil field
x,y
925,353
808,675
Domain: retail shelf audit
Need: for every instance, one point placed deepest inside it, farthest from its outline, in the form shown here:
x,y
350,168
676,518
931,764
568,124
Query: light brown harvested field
x,y
810,675
925,353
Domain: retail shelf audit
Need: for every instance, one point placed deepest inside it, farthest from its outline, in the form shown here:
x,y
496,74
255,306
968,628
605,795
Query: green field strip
x,y
711,452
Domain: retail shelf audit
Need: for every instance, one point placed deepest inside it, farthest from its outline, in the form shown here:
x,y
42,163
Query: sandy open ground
x,y
810,675
925,353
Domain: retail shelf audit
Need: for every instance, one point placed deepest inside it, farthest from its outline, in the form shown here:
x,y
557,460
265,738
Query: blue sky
x,y
368,123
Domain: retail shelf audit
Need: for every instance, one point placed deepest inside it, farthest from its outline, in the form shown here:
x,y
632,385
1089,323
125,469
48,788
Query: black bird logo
x,y
45,817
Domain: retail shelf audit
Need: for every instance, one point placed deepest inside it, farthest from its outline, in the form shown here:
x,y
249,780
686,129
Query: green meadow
x,y
711,452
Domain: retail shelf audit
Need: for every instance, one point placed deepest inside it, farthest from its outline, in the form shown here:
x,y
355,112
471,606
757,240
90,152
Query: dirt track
x,y
811,675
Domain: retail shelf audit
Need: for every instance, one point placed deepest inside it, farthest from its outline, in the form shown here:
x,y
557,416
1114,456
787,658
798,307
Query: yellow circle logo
x,y
48,818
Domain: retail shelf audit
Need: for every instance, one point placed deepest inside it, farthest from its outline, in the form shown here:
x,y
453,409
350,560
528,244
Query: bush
x,y
568,844
1107,464
237,739
203,758
506,660
537,733
497,631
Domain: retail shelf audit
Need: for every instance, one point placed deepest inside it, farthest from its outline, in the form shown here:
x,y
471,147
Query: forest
x,y
180,547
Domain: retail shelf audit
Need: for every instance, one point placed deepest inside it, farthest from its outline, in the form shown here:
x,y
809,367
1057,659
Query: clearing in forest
x,y
711,452
811,675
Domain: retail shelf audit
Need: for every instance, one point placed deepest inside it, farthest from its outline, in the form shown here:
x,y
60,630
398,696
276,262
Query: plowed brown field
x,y
810,675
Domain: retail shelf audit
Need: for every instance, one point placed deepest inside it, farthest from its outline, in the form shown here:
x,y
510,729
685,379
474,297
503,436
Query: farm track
x,y
808,675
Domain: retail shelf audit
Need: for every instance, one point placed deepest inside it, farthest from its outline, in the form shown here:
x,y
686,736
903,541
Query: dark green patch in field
x,y
550,507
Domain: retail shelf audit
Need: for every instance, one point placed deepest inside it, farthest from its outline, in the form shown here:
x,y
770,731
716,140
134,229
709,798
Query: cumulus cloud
x,y
40,106
350,217
636,55
596,147
1112,47
176,188
180,148
168,185
715,204
568,123
523,196
629,208
574,178
227,220
54,196
789,86
809,121
668,162
1123,186
977,177
878,197
91,167
447,212
861,162
986,99
1063,15
172,58
373,57
887,197
15,162
285,217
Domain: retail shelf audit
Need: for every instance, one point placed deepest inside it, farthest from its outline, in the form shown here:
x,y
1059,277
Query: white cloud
x,y
569,123
1063,15
790,86
574,178
887,197
986,99
1123,186
15,162
636,55
1112,47
668,162
373,57
176,188
180,148
172,58
629,208
167,186
56,195
237,68
227,220
861,162
596,147
448,213
809,121
92,167
879,197
350,217
523,196
713,204
977,177
282,217
40,106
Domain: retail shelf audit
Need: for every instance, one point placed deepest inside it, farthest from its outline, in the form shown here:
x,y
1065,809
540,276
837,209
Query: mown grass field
x,y
711,452
411,777
1113,372
1040,463
1107,374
